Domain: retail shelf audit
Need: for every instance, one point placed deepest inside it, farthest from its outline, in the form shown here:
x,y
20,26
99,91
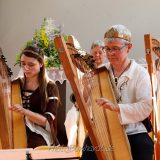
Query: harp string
x,y
156,70
89,82
5,93
152,48
83,63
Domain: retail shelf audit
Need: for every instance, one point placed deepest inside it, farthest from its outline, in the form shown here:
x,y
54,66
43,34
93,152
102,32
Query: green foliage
x,y
43,38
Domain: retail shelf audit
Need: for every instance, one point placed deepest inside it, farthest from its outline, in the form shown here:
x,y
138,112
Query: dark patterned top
x,y
32,101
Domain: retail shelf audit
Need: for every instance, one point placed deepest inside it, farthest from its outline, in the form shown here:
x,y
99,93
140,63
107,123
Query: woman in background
x,y
98,53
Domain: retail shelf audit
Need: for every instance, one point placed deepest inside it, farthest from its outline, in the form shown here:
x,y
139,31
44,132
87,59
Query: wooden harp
x,y
106,133
12,127
152,50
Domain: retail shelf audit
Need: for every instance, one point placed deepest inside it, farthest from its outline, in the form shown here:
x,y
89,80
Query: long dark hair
x,y
37,53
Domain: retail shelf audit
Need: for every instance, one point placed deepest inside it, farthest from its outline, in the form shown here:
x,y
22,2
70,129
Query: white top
x,y
136,98
71,125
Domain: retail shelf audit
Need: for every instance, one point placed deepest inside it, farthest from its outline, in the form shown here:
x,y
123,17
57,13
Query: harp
x,y
152,50
106,133
5,117
12,127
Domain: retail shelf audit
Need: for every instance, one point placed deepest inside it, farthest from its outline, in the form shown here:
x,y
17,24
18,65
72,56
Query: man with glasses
x,y
132,90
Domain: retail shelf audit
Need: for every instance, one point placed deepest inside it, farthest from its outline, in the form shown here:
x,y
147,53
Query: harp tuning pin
x,y
2,56
9,71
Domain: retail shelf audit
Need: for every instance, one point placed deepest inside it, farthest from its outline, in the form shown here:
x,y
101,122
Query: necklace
x,y
117,77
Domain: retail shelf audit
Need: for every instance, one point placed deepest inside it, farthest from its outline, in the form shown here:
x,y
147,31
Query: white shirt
x,y
71,125
136,98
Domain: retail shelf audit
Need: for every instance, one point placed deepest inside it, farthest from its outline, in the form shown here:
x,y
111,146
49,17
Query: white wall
x,y
87,20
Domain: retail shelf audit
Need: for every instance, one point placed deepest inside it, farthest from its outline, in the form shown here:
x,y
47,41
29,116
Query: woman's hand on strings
x,y
103,102
32,116
18,108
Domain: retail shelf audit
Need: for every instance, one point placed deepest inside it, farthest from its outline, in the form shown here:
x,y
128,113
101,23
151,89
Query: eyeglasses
x,y
114,49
